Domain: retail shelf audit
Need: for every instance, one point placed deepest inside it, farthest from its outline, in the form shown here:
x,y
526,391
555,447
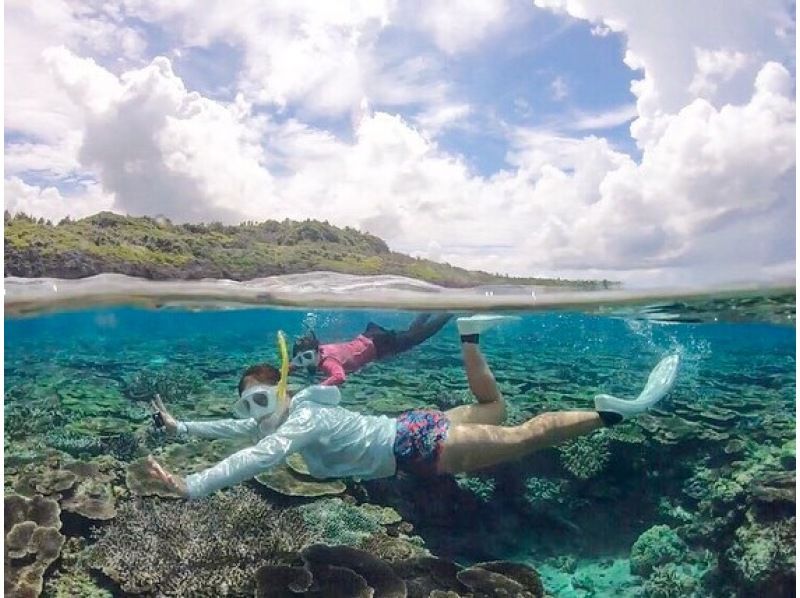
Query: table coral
x,y
286,481
32,542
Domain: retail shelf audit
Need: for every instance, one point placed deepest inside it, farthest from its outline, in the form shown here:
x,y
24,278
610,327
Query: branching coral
x,y
171,383
670,581
123,446
656,546
205,547
74,444
337,522
763,554
587,456
540,491
481,487
68,584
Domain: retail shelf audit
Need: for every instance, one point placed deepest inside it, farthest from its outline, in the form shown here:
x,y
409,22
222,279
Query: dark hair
x,y
308,342
262,372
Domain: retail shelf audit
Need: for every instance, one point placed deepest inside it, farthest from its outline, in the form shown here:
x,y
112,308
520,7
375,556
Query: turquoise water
x,y
711,465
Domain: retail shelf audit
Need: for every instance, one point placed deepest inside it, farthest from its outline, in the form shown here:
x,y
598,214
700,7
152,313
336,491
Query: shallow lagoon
x,y
696,498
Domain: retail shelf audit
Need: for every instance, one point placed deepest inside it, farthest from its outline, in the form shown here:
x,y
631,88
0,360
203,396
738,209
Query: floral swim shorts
x,y
420,437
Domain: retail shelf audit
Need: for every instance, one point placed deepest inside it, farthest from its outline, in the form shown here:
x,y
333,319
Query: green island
x,y
157,249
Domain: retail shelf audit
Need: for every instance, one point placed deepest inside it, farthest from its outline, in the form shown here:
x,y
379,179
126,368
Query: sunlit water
x,y
69,375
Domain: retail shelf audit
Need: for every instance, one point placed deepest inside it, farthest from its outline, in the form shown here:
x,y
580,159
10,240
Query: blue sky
x,y
545,138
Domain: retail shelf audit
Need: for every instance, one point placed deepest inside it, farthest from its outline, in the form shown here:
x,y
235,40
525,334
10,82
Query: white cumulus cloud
x,y
709,196
49,203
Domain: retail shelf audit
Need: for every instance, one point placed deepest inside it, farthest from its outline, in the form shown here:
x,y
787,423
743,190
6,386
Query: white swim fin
x,y
613,410
481,322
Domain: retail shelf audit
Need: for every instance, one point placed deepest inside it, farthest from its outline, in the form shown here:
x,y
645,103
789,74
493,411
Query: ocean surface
x,y
695,498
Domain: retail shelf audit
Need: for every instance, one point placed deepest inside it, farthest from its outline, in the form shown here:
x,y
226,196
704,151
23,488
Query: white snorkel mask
x,y
257,402
306,359
261,400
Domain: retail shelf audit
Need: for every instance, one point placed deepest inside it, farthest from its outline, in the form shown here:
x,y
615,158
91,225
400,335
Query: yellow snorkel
x,y
284,352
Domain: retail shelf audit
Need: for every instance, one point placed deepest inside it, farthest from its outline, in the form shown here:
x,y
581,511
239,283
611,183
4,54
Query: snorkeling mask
x,y
306,359
257,402
261,401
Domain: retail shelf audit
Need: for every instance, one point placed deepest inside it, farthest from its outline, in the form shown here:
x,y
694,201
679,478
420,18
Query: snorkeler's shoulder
x,y
317,394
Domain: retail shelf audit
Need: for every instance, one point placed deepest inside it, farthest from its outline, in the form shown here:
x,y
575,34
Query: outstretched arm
x,y
334,372
223,428
293,434
297,431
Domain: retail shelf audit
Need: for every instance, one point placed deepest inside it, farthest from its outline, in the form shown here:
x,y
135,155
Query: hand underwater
x,y
173,482
170,423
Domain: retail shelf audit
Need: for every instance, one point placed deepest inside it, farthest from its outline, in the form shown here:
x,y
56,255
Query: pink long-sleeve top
x,y
339,359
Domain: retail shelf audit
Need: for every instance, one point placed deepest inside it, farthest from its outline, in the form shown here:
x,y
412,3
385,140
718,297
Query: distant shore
x,y
159,250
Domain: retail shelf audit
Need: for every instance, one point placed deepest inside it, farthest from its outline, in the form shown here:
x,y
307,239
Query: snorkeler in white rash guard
x,y
337,443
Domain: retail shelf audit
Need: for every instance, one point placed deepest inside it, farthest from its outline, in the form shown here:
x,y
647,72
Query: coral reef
x,y
342,571
296,463
319,559
74,444
715,462
763,555
587,456
335,522
69,584
180,548
393,549
383,515
286,481
171,383
482,487
670,581
84,488
540,491
124,446
93,499
32,541
501,579
141,483
658,545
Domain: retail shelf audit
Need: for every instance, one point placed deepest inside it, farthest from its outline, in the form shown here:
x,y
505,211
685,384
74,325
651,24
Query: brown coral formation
x,y
92,499
288,482
32,543
141,483
342,571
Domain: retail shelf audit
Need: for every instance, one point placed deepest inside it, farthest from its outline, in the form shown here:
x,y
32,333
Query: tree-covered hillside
x,y
157,249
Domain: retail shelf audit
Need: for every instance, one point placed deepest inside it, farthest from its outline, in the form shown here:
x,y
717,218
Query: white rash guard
x,y
333,441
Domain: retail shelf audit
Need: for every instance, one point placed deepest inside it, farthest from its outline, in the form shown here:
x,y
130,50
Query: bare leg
x,y
419,321
491,407
470,447
420,332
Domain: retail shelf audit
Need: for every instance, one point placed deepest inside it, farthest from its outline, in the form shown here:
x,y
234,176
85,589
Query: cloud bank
x,y
707,195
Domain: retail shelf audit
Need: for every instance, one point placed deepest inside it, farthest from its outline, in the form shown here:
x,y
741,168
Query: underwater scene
x,y
694,497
